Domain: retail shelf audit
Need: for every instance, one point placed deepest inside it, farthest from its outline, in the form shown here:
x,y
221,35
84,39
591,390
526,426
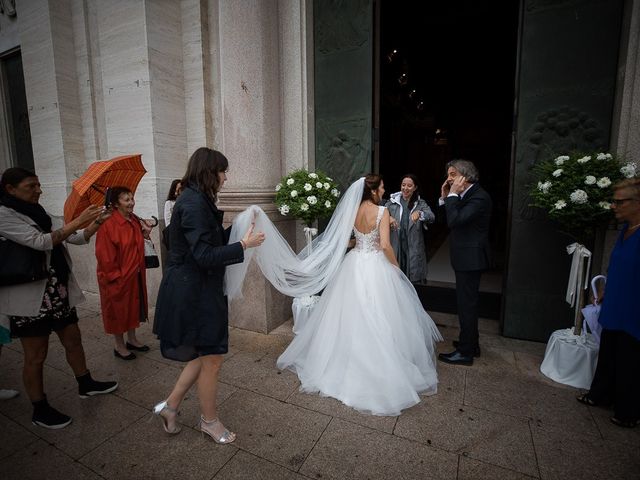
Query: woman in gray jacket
x,y
409,216
33,310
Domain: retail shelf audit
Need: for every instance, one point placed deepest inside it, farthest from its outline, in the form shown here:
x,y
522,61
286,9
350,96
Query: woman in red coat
x,y
122,274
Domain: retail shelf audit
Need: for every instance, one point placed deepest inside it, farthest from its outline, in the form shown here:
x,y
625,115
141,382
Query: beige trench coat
x,y
26,299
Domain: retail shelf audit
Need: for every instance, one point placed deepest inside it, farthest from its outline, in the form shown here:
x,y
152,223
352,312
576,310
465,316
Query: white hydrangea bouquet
x,y
307,196
575,190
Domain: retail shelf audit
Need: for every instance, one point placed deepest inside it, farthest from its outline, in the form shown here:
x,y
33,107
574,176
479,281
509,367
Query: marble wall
x,y
162,78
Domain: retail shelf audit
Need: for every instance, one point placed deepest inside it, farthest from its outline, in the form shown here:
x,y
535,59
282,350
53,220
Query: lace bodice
x,y
369,242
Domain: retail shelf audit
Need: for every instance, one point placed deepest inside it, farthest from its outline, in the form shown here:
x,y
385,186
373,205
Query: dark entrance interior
x,y
447,76
16,110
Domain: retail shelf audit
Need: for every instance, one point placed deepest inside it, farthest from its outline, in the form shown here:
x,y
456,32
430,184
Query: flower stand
x,y
302,307
570,359
572,353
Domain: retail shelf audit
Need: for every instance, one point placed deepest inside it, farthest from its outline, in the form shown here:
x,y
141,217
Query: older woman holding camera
x,y
36,308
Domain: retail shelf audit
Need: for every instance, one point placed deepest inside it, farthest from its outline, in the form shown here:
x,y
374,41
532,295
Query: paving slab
x,y
257,372
612,433
127,373
494,438
347,450
40,461
470,469
15,437
145,451
500,418
519,396
334,408
562,455
245,466
268,428
95,420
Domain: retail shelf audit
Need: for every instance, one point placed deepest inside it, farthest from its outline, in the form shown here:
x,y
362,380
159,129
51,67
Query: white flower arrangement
x,y
628,170
575,190
544,186
579,196
306,195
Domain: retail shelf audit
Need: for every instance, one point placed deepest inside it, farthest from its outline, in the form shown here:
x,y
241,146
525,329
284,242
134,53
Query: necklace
x,y
634,227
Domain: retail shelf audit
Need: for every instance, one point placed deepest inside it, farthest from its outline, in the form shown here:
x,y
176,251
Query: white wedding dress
x,y
368,342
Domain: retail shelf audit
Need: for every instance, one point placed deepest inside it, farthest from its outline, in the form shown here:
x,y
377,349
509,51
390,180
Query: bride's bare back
x,y
365,223
366,217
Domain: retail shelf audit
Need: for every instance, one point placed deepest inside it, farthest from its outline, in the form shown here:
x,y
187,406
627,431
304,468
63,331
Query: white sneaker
x,y
6,394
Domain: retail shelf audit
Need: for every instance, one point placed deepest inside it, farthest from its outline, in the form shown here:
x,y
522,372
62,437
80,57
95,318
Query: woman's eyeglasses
x,y
620,201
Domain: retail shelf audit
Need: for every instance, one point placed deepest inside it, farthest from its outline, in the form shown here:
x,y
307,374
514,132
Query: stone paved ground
x,y
500,419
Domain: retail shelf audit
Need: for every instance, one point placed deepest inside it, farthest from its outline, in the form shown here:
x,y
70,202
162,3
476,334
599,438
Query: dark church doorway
x,y
447,78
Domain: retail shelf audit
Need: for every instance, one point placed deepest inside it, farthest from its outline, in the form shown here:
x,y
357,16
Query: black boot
x,y
88,387
44,415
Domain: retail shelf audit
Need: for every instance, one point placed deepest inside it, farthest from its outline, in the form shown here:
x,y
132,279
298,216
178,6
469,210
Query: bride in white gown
x,y
368,342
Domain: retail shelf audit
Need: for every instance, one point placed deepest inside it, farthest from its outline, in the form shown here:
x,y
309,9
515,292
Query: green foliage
x,y
307,195
576,189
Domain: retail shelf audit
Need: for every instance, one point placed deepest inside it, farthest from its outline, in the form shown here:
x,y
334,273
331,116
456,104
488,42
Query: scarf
x,y
38,214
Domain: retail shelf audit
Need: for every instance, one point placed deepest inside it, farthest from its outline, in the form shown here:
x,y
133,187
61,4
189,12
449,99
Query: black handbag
x,y
21,264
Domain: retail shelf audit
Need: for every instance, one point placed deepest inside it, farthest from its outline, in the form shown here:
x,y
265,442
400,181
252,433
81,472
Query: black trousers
x,y
617,377
467,299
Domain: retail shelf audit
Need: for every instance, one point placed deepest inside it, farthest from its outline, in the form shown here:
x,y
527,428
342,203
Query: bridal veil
x,y
306,273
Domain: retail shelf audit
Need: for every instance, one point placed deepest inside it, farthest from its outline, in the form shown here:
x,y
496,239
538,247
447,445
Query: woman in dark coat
x,y
191,318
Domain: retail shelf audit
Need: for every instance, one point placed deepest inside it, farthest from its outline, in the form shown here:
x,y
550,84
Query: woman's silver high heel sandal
x,y
206,426
161,407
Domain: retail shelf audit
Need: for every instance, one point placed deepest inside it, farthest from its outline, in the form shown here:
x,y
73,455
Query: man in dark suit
x,y
468,209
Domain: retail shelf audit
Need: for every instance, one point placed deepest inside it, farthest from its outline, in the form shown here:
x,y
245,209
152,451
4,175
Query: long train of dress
x,y
368,342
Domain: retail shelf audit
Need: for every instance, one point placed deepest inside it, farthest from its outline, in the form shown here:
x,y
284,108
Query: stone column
x,y
626,125
625,130
197,74
259,99
46,41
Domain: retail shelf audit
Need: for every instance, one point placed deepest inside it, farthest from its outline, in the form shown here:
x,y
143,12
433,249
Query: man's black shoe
x,y
476,352
456,358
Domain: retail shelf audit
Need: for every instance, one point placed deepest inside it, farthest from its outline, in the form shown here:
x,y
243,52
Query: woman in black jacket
x,y
191,317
